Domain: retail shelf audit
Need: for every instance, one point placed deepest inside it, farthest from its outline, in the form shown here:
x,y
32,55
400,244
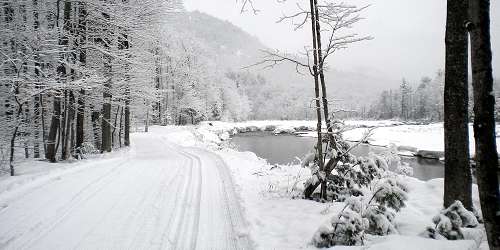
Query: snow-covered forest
x,y
252,124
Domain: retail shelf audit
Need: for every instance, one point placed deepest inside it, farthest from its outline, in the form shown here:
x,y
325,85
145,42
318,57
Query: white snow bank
x,y
410,137
278,126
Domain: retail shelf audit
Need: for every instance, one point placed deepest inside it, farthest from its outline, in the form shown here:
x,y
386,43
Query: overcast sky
x,y
408,34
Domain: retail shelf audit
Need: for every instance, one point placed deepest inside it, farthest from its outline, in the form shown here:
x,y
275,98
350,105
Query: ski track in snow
x,y
159,196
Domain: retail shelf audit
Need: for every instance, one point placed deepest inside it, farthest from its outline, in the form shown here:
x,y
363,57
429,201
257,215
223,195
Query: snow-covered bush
x,y
85,150
373,194
345,229
359,217
450,221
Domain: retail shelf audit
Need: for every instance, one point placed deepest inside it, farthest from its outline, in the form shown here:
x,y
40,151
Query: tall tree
x,y
82,39
106,143
484,119
458,181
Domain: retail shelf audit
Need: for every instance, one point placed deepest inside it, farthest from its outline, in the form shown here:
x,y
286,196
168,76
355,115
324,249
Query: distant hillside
x,y
234,48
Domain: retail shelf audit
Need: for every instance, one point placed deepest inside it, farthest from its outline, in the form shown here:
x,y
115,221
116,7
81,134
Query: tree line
x,y
423,101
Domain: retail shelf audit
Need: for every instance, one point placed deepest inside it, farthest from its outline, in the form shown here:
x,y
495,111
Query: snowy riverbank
x,y
425,140
277,221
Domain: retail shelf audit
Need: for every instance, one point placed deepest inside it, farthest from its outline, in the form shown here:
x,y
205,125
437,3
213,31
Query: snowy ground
x,y
277,221
180,187
157,195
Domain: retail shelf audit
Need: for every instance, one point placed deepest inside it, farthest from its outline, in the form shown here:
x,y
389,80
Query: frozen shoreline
x,y
413,140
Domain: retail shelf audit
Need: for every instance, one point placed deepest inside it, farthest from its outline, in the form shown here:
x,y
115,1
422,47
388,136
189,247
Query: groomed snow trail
x,y
157,195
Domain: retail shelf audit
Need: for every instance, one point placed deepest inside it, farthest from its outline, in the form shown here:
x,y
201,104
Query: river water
x,y
286,149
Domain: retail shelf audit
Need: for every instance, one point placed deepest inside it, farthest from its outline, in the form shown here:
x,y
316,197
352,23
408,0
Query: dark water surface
x,y
284,149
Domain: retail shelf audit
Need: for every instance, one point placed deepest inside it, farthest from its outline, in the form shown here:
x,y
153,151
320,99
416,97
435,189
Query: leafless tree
x,y
331,25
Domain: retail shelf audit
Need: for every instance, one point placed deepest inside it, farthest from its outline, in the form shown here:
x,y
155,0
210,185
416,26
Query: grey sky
x,y
409,34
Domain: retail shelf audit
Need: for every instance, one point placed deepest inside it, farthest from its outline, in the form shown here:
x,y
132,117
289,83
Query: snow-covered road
x,y
157,195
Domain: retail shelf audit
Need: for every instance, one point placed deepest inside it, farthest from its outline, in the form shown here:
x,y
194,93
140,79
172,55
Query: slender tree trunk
x,y
484,120
326,113
106,119
457,184
125,45
70,116
80,121
126,139
120,131
107,97
26,134
319,145
146,127
51,151
80,118
37,101
114,127
14,135
95,129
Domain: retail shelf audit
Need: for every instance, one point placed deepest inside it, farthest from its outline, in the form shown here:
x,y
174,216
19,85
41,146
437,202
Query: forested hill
x,y
231,46
277,93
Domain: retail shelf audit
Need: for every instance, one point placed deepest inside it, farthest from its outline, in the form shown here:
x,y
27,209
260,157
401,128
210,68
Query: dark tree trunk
x,y
107,97
70,117
457,184
120,130
14,135
319,145
37,102
80,121
125,45
484,120
80,118
95,129
114,127
328,120
51,152
106,117
126,138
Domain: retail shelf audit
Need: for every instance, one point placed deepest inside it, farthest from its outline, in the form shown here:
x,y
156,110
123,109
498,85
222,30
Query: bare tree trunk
x,y
308,191
95,120
106,119
37,102
328,121
146,127
80,118
114,127
70,116
125,45
14,134
63,126
126,139
120,130
484,120
457,184
107,97
51,151
26,133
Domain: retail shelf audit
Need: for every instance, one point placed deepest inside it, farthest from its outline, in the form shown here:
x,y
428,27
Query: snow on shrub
x,y
353,180
345,229
450,222
359,217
